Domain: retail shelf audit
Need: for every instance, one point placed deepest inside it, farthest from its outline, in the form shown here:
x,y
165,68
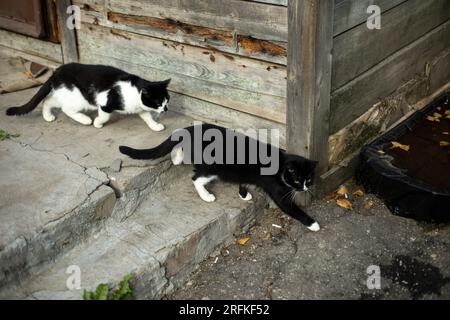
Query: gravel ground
x,y
286,261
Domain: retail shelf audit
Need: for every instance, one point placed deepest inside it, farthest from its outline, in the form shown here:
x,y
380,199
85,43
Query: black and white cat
x,y
294,173
76,88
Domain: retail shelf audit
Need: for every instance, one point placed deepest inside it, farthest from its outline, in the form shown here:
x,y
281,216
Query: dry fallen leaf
x,y
358,193
447,117
445,133
243,241
344,203
381,152
342,191
433,119
444,143
447,112
437,115
400,146
368,204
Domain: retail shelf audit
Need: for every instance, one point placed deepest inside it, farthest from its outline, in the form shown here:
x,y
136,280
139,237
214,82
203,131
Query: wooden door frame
x,y
309,61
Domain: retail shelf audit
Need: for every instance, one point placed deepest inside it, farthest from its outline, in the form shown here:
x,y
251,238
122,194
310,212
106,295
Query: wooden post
x,y
310,43
68,36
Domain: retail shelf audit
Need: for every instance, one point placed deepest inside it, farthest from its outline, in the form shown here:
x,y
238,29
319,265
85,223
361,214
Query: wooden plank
x,y
214,113
265,106
5,51
356,97
333,178
275,2
350,13
241,84
359,49
47,50
309,78
68,36
225,41
259,20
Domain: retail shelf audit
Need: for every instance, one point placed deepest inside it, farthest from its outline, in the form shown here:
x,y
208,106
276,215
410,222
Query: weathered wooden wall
x,y
227,59
379,75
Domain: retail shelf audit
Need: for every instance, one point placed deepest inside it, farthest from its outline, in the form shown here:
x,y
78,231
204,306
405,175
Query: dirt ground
x,y
283,260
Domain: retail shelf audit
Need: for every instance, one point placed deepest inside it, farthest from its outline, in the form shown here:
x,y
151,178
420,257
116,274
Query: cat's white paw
x,y
49,117
86,122
97,123
157,127
314,227
208,197
248,197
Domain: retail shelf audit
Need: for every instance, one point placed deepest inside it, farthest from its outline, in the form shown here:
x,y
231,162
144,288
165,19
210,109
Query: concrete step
x,y
61,182
171,231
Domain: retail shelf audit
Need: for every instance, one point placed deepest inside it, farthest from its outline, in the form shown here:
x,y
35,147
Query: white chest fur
x,y
131,98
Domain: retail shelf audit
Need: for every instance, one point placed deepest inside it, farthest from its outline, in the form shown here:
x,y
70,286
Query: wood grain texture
x,y
46,50
226,117
356,97
261,20
68,36
208,38
243,85
309,78
360,49
350,13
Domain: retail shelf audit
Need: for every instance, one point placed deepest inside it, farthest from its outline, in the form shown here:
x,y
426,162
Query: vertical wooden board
x,y
352,100
359,49
68,36
309,78
260,20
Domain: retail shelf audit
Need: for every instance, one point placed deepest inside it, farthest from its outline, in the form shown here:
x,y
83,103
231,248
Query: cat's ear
x,y
164,83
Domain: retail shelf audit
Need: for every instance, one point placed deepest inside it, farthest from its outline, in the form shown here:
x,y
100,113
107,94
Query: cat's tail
x,y
154,153
33,103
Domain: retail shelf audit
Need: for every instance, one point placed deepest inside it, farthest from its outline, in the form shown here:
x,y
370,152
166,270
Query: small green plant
x,y
5,135
102,292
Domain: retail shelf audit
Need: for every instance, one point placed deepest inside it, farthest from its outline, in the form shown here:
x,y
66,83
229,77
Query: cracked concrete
x,y
68,197
52,171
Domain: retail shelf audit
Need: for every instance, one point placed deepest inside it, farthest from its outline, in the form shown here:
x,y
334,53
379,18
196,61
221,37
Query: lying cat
x,y
294,174
76,88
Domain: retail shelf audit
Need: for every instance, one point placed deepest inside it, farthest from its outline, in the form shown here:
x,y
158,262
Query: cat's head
x,y
155,96
298,172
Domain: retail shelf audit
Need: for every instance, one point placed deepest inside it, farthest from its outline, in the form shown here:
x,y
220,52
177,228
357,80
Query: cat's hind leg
x,y
79,117
200,183
102,118
47,107
244,194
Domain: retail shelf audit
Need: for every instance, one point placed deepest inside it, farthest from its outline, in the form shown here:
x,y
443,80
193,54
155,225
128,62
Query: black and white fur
x,y
77,88
295,173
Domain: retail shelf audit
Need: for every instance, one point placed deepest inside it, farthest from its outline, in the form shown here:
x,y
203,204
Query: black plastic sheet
x,y
404,195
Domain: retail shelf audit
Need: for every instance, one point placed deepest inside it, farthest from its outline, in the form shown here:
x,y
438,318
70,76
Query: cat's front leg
x,y
147,117
200,183
244,194
282,197
102,118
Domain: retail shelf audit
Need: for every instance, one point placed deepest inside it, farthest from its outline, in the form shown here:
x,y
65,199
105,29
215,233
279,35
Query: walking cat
x,y
76,88
294,174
